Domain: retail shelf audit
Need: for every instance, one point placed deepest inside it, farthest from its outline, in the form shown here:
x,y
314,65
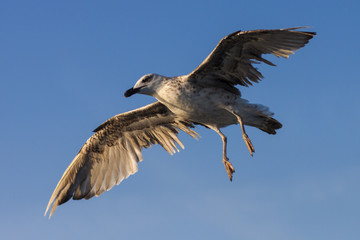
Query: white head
x,y
147,84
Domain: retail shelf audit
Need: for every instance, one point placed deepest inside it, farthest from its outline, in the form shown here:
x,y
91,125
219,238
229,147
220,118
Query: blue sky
x,y
66,64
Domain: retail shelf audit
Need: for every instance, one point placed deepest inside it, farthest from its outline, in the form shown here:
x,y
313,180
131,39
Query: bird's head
x,y
147,85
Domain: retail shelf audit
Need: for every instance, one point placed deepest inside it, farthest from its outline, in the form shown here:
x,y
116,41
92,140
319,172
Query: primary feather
x,y
112,153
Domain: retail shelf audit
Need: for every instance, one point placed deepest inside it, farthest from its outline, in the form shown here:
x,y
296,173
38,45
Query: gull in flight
x,y
207,96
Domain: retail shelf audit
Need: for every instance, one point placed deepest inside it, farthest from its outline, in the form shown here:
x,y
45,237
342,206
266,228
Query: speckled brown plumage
x,y
95,169
207,96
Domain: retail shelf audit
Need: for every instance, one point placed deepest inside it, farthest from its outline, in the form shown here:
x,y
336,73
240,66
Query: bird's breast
x,y
201,105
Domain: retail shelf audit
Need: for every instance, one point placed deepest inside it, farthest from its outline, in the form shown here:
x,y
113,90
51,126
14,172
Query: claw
x,y
248,144
229,168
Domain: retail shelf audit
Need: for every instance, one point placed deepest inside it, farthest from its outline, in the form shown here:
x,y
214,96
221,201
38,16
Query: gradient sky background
x,y
65,65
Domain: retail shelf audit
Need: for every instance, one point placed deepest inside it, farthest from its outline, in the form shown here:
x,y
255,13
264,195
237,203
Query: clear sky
x,y
64,66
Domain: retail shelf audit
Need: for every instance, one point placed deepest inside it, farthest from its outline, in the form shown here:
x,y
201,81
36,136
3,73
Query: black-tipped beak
x,y
131,91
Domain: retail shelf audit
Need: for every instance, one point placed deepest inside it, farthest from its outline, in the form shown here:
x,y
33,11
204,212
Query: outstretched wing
x,y
112,153
231,62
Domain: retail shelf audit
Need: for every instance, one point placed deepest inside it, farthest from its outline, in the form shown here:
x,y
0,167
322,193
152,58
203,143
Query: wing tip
x,y
296,28
52,209
49,205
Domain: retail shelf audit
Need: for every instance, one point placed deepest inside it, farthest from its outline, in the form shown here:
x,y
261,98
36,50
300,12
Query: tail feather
x,y
269,124
259,116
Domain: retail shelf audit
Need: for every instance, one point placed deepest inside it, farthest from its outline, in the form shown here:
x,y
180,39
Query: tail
x,y
259,116
268,124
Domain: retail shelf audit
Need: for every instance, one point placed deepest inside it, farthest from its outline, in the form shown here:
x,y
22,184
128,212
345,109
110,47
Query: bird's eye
x,y
147,79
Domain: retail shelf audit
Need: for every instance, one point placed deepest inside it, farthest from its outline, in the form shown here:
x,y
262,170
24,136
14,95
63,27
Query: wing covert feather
x,y
232,59
113,152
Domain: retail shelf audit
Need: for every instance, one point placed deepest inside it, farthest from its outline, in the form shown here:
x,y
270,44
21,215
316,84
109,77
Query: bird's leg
x,y
228,166
244,135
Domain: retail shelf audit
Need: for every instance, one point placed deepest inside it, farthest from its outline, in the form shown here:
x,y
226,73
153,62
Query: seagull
x,y
208,96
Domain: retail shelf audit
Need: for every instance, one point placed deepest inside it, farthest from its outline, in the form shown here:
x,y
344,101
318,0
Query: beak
x,y
131,91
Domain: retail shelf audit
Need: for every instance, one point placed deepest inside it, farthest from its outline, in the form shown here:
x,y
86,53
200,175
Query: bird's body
x,y
207,96
197,104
